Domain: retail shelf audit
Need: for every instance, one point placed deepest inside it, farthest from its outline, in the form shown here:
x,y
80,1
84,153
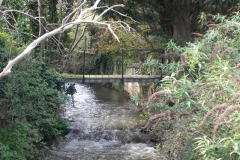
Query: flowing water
x,y
103,126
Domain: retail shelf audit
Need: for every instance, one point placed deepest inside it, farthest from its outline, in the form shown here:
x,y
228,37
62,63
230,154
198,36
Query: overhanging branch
x,y
80,19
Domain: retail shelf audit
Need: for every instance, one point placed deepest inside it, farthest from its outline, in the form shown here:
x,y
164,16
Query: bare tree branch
x,y
74,45
80,19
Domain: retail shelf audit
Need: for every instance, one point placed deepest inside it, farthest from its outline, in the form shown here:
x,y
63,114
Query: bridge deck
x,y
113,78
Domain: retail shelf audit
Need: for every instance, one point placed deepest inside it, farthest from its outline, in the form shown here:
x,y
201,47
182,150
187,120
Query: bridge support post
x,y
122,67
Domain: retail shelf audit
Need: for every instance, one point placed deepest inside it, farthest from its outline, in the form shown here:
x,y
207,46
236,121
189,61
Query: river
x,y
103,126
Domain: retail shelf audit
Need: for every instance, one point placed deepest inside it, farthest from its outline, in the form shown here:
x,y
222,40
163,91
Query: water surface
x,y
103,126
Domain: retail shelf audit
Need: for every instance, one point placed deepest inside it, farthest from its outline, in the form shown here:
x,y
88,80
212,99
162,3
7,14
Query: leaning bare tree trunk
x,y
81,18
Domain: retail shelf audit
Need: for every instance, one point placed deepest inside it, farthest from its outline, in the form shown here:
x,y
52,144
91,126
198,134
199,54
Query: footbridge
x,y
121,67
113,78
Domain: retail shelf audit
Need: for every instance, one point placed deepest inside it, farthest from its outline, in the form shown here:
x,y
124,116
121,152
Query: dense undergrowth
x,y
30,101
199,101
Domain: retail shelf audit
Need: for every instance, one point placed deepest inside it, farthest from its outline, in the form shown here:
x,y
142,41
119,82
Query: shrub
x,y
207,79
31,96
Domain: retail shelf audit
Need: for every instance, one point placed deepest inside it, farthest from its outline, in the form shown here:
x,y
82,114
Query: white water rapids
x,y
103,126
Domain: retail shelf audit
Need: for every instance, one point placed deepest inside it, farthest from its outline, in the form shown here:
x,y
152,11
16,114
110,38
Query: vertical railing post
x,y
83,67
122,67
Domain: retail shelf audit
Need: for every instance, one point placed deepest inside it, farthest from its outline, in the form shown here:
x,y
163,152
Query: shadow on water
x,y
103,126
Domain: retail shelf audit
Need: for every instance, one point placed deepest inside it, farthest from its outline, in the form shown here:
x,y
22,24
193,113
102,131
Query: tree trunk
x,y
175,18
182,24
41,25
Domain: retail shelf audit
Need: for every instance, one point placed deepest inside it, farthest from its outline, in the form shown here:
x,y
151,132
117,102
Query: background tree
x,y
174,19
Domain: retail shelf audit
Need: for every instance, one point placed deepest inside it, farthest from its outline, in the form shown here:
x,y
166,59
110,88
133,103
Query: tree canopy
x,y
158,21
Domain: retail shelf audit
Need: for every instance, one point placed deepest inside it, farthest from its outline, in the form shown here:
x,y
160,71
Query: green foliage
x,y
33,93
191,156
145,115
202,19
30,101
151,66
104,64
151,15
16,142
135,100
226,148
5,47
53,127
5,41
208,76
70,89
